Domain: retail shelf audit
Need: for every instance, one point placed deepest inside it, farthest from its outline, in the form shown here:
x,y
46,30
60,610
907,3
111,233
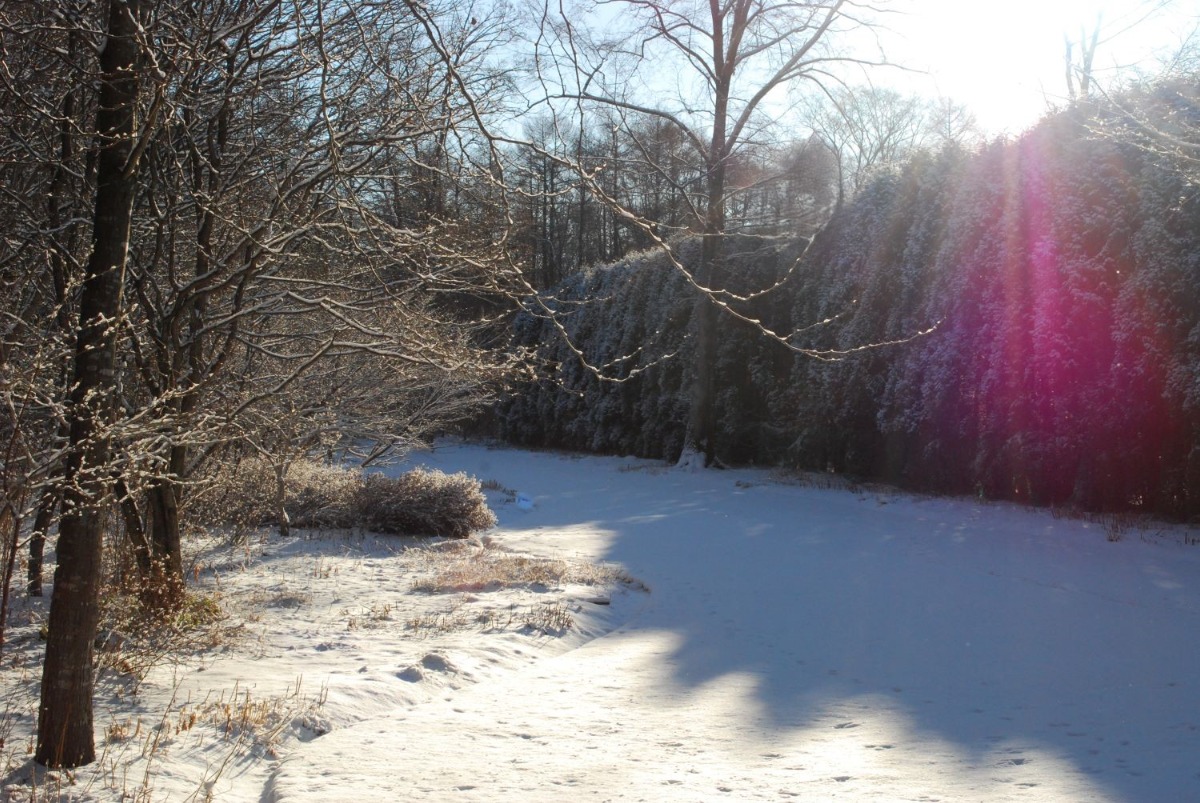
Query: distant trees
x,y
1083,73
870,128
1063,371
1160,115
650,190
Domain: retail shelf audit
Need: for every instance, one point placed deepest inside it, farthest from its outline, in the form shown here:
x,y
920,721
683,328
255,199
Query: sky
x,y
1005,58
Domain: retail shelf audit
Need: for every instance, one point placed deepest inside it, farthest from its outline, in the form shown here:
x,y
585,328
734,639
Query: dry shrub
x,y
424,503
239,494
134,637
321,496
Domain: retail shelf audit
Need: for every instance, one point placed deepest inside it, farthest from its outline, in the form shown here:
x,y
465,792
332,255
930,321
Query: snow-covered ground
x,y
795,642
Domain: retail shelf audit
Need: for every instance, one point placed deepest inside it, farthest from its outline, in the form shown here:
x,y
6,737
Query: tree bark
x,y
10,523
701,430
65,722
166,580
37,539
285,522
135,531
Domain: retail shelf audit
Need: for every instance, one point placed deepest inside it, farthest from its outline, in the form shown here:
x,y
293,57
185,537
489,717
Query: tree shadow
x,y
982,624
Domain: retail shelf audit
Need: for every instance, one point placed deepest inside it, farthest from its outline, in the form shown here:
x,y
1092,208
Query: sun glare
x,y
1006,60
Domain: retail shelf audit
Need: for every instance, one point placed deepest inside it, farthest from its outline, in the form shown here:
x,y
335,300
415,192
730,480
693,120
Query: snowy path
x,y
809,644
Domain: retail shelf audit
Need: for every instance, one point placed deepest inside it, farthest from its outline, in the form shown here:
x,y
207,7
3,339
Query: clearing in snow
x,y
632,632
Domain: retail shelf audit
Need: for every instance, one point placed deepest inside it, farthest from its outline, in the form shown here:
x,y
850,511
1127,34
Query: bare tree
x,y
1080,69
1161,115
46,189
293,242
869,127
1079,53
65,730
734,56
286,203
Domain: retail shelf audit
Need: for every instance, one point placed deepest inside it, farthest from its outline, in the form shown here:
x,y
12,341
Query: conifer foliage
x,y
1062,270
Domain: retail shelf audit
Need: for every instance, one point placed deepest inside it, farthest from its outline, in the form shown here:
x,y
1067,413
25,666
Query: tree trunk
x,y
281,513
10,526
165,582
37,539
65,724
165,543
135,531
701,430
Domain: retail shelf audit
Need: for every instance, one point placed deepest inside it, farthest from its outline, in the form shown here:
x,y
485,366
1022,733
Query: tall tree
x,y
65,727
733,56
46,197
311,157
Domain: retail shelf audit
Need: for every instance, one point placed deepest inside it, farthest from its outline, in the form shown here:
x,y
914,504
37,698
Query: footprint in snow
x,y
437,662
411,674
432,662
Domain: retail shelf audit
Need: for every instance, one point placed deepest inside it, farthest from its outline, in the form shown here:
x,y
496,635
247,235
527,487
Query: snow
x,y
795,642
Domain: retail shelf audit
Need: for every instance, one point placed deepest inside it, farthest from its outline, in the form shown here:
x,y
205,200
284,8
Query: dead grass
x,y
255,722
133,641
454,619
376,615
1117,526
549,618
648,468
822,481
496,487
478,566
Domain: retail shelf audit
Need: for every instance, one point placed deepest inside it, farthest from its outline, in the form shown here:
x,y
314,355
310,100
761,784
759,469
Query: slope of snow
x,y
795,643
811,643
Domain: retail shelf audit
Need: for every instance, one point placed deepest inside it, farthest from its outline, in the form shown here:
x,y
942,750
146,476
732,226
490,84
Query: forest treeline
x,y
1059,272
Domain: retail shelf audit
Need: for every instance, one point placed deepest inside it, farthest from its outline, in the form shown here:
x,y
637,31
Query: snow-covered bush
x,y
634,322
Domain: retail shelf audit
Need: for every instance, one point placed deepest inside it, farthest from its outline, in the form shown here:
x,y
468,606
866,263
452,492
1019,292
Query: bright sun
x,y
1005,60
